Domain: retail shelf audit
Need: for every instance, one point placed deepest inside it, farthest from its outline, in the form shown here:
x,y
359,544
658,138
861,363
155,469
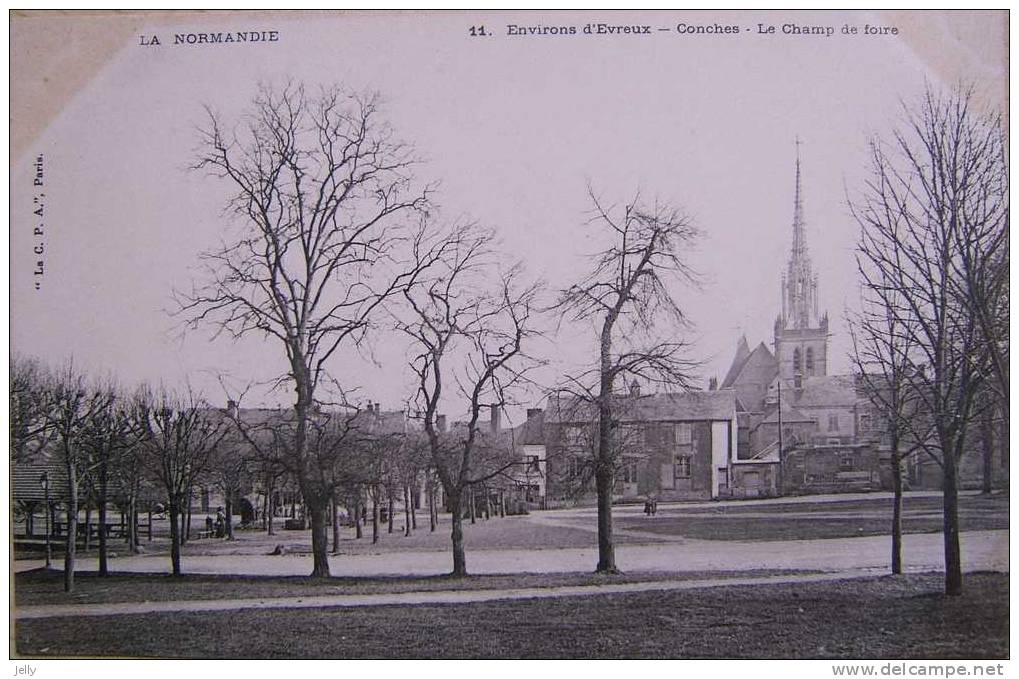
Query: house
x,y
672,446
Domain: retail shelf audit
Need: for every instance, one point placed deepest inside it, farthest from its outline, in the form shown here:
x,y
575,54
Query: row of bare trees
x,y
931,340
333,238
113,447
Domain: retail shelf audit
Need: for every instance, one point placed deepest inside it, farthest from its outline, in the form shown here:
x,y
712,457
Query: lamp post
x,y
44,481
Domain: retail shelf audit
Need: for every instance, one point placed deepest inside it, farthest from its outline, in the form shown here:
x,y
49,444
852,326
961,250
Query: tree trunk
x,y
413,508
502,504
896,510
375,516
103,491
336,526
358,523
265,508
175,518
389,498
270,527
488,503
604,472
406,511
186,515
987,431
606,548
72,526
132,525
953,554
228,507
432,513
473,509
88,526
319,538
459,556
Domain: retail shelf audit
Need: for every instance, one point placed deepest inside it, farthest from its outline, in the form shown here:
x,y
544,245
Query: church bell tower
x,y
801,334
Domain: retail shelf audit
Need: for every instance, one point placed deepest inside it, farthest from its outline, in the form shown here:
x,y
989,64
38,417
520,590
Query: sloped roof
x,y
761,352
827,391
25,484
742,354
684,406
379,421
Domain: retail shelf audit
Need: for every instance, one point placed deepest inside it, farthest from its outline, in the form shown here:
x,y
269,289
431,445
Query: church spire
x,y
799,302
799,240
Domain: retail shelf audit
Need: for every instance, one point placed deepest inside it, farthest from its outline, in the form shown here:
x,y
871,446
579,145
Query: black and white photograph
x,y
503,335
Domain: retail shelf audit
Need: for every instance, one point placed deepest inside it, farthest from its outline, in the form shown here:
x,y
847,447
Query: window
x,y
796,360
810,360
684,434
682,467
864,422
533,463
833,422
574,466
846,463
798,381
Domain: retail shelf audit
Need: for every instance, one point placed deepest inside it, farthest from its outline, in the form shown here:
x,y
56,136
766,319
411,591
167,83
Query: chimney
x,y
496,415
440,422
378,408
713,384
533,412
634,389
232,409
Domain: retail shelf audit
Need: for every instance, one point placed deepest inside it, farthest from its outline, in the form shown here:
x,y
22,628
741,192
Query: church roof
x,y
760,352
742,354
827,391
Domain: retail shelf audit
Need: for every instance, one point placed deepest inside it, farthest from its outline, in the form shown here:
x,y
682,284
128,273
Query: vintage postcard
x,y
511,334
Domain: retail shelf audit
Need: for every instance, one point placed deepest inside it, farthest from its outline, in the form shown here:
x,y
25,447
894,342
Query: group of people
x,y
651,506
217,528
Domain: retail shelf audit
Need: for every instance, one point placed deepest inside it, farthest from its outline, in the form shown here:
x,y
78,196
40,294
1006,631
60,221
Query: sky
x,y
514,128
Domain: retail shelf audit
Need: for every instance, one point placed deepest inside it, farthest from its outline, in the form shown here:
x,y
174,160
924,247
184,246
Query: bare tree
x,y
30,424
629,293
469,338
230,469
932,216
320,188
881,353
108,437
73,405
177,435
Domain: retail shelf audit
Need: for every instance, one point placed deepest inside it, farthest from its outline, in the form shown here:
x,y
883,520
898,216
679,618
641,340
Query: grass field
x,y
777,528
40,587
994,504
881,617
804,521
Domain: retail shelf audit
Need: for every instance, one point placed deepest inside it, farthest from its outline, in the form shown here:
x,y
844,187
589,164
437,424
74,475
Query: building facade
x,y
669,446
